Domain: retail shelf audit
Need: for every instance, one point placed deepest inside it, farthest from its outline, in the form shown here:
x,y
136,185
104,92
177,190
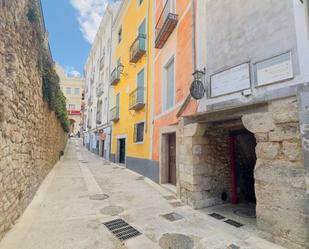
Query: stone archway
x,y
280,174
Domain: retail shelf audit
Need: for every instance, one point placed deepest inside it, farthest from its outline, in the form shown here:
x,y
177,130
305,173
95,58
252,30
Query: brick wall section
x,y
31,137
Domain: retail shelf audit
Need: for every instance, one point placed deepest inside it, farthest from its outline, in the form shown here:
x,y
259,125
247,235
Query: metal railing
x,y
137,98
102,60
114,113
138,48
166,23
100,89
115,76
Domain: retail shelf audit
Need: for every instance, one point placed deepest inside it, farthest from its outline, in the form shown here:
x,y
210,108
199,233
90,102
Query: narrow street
x,y
82,192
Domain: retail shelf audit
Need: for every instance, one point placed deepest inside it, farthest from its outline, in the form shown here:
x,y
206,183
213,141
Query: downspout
x,y
147,86
193,35
108,94
188,98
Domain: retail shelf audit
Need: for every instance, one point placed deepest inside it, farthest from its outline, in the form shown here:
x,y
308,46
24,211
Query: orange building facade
x,y
173,67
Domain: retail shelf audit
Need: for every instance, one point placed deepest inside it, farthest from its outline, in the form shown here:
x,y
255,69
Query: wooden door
x,y
122,151
172,158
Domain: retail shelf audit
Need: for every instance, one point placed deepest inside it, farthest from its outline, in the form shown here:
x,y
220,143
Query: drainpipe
x,y
188,98
193,36
147,86
108,94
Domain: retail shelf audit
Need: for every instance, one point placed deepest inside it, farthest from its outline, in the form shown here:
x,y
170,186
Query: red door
x,y
172,158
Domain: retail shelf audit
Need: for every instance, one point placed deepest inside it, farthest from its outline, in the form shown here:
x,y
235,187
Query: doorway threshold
x,y
170,187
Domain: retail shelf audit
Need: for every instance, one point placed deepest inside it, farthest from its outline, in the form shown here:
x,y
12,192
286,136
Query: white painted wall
x,y
233,32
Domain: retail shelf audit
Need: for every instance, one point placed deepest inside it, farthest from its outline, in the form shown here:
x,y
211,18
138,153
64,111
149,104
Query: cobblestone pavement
x,y
83,191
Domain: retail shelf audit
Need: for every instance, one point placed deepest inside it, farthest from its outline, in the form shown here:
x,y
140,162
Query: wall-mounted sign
x,y
273,70
73,112
232,80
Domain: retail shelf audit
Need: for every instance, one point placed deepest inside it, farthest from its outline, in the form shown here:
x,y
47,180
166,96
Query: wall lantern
x,y
197,89
120,68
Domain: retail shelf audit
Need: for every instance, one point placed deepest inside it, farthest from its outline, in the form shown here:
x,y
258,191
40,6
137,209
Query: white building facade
x,y
97,125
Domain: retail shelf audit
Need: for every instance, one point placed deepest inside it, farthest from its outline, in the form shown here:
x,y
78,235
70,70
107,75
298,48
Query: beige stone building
x,y
73,88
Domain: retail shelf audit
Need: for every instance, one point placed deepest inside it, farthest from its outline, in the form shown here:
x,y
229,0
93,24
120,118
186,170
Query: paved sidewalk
x,y
83,191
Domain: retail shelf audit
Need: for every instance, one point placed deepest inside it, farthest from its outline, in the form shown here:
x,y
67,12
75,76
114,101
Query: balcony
x,y
114,114
166,24
90,101
137,99
100,90
102,62
138,48
115,77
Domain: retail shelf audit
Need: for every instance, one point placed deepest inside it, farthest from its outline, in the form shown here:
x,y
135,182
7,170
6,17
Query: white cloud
x,y
89,14
72,72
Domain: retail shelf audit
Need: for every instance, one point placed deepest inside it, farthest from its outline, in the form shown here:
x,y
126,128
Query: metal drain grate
x,y
121,229
172,216
233,223
217,216
232,246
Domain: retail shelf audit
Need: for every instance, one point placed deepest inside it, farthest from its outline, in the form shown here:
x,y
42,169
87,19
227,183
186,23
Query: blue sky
x,y
72,25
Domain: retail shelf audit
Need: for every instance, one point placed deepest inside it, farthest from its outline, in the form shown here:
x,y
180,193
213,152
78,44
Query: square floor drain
x,y
233,223
217,216
232,246
121,229
172,216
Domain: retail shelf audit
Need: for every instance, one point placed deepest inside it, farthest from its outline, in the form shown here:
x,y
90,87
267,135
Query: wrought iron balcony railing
x,y
90,101
100,90
138,48
166,24
114,114
102,61
137,101
115,77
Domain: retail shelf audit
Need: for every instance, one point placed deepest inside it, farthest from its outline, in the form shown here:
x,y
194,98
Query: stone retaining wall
x,y
31,136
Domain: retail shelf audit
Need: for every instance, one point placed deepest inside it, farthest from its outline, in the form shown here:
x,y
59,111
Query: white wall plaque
x,y
232,80
273,70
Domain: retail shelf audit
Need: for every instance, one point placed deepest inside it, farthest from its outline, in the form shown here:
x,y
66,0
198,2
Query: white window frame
x,y
164,86
75,92
68,90
135,125
72,105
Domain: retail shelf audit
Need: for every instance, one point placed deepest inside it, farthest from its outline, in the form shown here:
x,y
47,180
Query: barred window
x,y
139,132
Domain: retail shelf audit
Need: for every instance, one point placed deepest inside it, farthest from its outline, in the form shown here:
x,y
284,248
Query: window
x,y
169,88
140,87
142,28
71,107
120,35
139,133
99,111
76,91
307,9
68,90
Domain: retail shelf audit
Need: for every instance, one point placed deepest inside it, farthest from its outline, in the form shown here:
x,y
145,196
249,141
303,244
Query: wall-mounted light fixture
x,y
197,89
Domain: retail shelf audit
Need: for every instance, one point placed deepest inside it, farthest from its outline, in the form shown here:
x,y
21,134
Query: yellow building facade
x,y
130,80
